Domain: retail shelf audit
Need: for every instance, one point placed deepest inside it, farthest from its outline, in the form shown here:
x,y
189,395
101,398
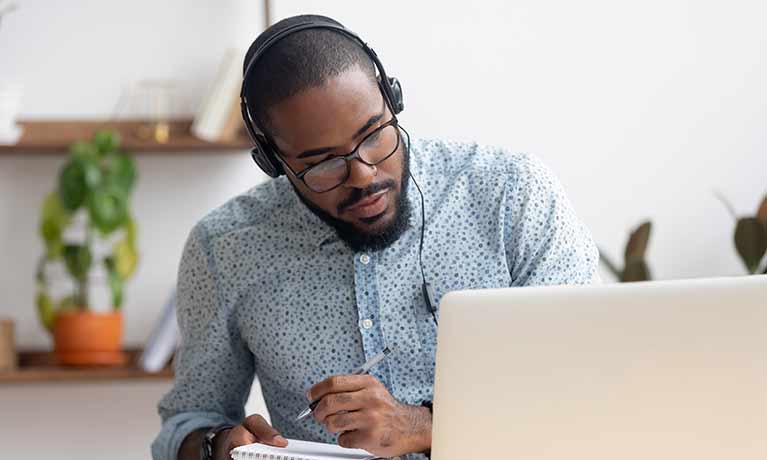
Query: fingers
x,y
262,431
345,421
340,384
337,402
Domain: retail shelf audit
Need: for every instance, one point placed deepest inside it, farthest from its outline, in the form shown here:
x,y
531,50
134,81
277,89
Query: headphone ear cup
x,y
264,157
395,89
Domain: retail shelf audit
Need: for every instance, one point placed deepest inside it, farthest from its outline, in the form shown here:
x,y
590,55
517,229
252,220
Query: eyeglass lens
x,y
377,147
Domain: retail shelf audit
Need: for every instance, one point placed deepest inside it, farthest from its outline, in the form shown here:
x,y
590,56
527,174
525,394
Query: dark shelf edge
x,y
53,137
36,366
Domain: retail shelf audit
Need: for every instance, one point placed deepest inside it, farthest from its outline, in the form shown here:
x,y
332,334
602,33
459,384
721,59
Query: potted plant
x,y
90,240
635,267
750,236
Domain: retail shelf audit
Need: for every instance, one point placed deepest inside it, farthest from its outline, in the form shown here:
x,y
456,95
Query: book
x,y
233,125
163,340
299,450
213,121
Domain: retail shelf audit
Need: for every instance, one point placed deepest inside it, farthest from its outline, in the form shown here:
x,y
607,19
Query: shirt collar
x,y
316,230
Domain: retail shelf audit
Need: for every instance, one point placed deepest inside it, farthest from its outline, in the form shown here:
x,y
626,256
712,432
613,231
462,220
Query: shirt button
x,y
367,323
365,259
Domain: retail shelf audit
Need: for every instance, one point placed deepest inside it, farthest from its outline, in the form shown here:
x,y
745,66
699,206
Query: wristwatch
x,y
206,449
429,405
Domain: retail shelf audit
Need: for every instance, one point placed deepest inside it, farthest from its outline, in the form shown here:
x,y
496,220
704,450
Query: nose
x,y
360,175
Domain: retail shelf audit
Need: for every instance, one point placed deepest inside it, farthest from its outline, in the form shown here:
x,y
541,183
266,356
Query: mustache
x,y
359,194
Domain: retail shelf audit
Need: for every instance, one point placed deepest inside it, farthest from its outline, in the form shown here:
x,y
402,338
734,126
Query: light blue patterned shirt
x,y
266,288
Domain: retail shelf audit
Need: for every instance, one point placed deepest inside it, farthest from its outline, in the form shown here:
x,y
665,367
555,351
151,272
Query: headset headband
x,y
314,25
264,152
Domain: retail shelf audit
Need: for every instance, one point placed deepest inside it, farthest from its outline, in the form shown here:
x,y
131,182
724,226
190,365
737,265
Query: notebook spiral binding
x,y
260,456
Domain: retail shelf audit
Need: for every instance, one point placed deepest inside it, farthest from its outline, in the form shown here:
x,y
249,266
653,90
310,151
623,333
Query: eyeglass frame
x,y
354,154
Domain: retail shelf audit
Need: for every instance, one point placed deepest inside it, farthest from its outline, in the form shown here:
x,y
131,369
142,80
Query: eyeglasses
x,y
375,148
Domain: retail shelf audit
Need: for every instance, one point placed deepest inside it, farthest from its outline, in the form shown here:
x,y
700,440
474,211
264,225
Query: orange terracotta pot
x,y
84,338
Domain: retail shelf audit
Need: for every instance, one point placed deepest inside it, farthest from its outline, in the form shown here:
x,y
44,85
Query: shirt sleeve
x,y
214,368
546,243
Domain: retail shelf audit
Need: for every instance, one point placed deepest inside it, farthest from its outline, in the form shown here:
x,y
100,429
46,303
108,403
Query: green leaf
x,y
125,257
83,150
93,175
636,270
72,185
108,209
637,244
78,261
751,242
761,214
130,230
106,140
54,219
115,282
45,310
121,172
67,303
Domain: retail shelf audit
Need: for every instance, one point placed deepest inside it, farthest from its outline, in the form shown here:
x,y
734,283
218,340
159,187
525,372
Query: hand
x,y
253,429
368,417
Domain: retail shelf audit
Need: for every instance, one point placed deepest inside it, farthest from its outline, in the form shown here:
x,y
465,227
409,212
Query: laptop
x,y
654,370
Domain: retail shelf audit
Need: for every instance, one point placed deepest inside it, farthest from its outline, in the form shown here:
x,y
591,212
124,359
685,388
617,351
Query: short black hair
x,y
302,60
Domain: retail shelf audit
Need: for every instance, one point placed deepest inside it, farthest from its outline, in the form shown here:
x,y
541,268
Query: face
x,y
369,209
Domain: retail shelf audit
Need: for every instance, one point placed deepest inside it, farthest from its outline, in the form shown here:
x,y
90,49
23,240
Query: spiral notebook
x,y
299,450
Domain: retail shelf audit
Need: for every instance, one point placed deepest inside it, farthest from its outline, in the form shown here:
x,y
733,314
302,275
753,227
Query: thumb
x,y
264,432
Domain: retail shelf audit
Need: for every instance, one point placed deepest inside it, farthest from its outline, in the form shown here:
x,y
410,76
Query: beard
x,y
359,240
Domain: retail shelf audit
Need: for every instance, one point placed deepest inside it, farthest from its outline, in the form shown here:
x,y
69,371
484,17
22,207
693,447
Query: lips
x,y
370,206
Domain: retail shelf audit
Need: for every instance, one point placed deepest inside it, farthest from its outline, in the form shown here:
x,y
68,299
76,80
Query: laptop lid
x,y
655,370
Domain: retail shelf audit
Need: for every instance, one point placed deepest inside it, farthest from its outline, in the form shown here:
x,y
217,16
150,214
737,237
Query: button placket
x,y
366,291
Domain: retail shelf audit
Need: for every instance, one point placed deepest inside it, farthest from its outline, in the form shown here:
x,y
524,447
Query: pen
x,y
364,369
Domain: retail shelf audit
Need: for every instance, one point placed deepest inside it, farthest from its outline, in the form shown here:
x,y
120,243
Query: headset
x,y
264,152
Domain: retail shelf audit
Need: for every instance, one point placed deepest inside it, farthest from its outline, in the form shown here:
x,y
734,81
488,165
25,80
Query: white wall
x,y
642,108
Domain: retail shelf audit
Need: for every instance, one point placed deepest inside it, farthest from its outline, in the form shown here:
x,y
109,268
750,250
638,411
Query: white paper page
x,y
304,450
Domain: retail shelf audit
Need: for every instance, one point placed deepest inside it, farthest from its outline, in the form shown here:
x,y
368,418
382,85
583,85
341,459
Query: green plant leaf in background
x,y
45,310
115,282
125,253
54,219
72,186
67,303
121,171
751,242
637,244
636,270
108,209
83,150
131,230
761,214
106,141
99,177
78,261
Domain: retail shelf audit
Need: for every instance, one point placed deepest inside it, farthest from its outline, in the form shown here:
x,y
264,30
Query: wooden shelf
x,y
41,367
55,136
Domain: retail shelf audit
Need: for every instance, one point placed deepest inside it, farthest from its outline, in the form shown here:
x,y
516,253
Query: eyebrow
x,y
322,150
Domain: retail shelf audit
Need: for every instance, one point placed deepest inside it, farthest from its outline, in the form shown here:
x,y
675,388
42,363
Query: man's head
x,y
315,94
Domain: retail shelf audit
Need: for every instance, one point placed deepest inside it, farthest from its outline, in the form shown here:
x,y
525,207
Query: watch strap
x,y
206,448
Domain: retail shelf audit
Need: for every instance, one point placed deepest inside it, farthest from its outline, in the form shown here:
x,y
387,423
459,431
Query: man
x,y
302,279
